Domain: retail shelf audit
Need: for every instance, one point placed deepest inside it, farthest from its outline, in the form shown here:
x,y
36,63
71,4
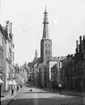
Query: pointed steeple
x,y
36,53
45,25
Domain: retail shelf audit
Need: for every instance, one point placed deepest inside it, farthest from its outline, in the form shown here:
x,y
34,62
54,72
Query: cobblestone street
x,y
41,97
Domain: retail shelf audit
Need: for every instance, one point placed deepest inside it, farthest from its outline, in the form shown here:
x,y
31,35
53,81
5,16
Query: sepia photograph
x,y
42,52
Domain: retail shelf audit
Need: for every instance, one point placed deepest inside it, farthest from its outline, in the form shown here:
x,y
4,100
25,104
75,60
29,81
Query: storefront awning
x,y
12,82
1,82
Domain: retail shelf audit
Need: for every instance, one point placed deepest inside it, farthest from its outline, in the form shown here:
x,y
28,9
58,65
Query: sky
x,y
66,23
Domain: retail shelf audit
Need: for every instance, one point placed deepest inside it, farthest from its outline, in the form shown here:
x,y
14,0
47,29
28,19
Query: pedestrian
x,y
59,87
12,90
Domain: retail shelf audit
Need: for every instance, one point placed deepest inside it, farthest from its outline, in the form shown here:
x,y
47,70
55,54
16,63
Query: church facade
x,y
43,65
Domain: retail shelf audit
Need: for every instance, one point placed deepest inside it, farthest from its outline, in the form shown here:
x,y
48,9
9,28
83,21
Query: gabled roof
x,y
37,60
2,30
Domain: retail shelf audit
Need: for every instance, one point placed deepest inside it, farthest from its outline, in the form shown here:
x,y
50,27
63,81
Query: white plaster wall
x,y
51,64
7,49
7,75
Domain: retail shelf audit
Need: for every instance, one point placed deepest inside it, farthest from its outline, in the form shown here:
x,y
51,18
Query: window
x,y
49,51
83,65
46,51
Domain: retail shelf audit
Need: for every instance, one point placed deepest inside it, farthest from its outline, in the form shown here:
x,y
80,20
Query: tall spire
x,y
36,53
45,25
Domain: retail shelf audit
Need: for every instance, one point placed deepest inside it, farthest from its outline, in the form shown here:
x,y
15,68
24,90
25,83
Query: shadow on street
x,y
44,101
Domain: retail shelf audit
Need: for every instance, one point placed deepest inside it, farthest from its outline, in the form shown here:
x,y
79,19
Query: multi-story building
x,y
3,56
55,65
66,71
78,73
7,53
22,75
73,68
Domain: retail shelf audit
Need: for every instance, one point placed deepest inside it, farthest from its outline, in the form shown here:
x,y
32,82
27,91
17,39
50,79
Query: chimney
x,y
83,37
80,46
80,40
83,42
77,44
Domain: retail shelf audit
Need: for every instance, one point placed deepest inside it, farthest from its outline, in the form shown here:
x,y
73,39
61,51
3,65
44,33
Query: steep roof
x,y
4,31
37,60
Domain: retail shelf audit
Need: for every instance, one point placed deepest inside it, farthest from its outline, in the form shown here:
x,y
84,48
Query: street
x,y
41,97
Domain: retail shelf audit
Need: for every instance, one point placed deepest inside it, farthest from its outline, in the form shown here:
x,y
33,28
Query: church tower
x,y
46,43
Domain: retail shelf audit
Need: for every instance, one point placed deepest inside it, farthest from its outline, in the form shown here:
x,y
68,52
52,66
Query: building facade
x,y
42,66
7,54
3,56
73,68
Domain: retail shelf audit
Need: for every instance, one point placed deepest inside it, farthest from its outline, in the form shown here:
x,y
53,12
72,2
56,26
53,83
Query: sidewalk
x,y
67,92
8,97
5,93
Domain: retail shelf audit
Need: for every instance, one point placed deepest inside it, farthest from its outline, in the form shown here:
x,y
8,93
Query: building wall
x,y
4,62
46,50
7,65
74,69
1,59
1,51
4,55
51,64
9,54
7,75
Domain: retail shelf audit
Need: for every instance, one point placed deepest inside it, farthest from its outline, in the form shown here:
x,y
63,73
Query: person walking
x,y
59,87
17,88
12,90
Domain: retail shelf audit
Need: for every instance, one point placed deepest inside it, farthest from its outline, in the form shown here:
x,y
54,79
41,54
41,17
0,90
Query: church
x,y
42,66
